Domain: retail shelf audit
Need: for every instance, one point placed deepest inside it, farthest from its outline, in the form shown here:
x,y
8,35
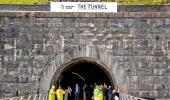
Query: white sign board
x,y
83,7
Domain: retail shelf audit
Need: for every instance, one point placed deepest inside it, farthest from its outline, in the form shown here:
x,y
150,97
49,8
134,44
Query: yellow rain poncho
x,y
51,95
98,93
60,92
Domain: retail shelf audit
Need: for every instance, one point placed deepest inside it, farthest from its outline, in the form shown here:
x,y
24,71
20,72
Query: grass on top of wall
x,y
120,2
23,1
142,2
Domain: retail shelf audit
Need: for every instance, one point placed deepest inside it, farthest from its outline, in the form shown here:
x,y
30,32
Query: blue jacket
x,y
77,91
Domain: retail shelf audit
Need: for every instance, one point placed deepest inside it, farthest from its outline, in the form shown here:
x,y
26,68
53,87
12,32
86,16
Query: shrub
x,y
141,2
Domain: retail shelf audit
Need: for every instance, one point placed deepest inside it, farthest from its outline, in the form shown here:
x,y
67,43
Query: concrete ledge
x,y
121,8
85,15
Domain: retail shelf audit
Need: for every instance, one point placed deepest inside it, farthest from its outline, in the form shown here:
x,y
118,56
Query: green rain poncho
x,y
51,95
98,93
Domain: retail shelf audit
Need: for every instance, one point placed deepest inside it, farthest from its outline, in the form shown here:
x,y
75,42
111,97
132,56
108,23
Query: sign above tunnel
x,y
83,7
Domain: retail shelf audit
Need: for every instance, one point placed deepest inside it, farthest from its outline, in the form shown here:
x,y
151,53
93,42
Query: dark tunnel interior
x,y
83,73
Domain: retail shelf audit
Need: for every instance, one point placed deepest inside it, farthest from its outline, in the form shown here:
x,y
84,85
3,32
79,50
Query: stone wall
x,y
134,45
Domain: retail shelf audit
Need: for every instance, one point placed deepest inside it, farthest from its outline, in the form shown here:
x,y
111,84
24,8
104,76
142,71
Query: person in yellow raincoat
x,y
60,92
51,95
98,93
101,92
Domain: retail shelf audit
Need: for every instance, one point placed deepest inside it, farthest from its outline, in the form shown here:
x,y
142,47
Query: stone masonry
x,y
134,45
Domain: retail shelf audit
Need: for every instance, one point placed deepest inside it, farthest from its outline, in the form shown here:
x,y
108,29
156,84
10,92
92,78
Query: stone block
x,y
23,43
1,45
153,94
168,71
142,65
134,93
159,87
157,65
168,85
55,24
160,58
1,72
9,93
68,30
9,41
130,72
144,87
9,51
23,78
24,71
69,22
159,53
143,79
128,44
157,79
23,92
53,32
33,78
32,92
144,72
10,77
159,71
133,79
144,94
1,86
33,86
37,40
132,87
9,65
8,59
10,86
163,94
11,32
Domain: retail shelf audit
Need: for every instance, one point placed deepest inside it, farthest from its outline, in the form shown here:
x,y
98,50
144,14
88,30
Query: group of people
x,y
59,93
102,92
96,92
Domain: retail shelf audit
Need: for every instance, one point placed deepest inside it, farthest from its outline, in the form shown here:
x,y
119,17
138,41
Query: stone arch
x,y
66,66
90,53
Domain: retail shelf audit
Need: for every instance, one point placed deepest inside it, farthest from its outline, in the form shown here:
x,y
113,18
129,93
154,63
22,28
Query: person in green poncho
x,y
51,95
98,93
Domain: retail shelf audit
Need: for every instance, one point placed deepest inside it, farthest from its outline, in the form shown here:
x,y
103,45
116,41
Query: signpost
x,y
83,7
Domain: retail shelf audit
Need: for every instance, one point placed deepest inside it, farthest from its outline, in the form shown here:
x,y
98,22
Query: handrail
x,y
44,97
28,97
129,97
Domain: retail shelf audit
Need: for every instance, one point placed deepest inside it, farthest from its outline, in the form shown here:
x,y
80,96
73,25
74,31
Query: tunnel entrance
x,y
82,71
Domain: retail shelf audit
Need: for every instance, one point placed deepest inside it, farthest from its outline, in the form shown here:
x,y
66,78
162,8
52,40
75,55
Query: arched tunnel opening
x,y
83,72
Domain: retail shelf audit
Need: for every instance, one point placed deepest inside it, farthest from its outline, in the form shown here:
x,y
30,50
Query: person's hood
x,y
53,88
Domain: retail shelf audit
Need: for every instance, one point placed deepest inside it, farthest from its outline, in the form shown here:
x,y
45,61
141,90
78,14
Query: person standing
x,y
101,93
84,91
51,95
60,92
77,92
66,94
90,92
69,92
98,93
116,93
104,91
109,93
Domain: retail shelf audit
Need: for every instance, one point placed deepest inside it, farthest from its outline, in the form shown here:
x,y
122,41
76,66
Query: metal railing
x,y
45,96
28,97
129,97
